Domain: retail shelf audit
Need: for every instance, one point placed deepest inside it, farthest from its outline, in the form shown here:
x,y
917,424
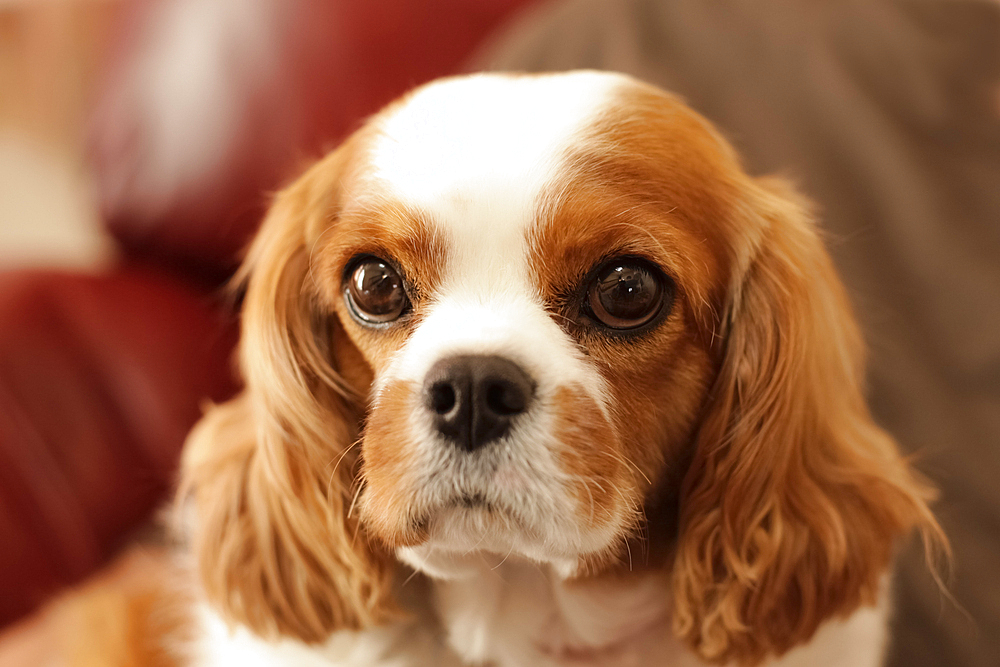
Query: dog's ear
x,y
269,475
795,497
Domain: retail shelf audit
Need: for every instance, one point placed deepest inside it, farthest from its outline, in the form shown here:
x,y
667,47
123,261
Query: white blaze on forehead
x,y
475,155
487,140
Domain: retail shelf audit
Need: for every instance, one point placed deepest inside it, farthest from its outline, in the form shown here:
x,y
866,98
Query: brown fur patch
x,y
138,612
795,497
590,456
271,473
388,450
145,622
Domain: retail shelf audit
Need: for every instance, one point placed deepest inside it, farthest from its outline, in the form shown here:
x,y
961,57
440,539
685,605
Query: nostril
x,y
505,399
474,400
442,398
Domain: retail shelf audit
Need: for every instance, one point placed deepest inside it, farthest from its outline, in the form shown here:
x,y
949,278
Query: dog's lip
x,y
473,500
465,501
488,498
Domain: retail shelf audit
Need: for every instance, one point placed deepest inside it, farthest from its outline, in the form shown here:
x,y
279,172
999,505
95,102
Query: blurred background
x,y
139,140
49,55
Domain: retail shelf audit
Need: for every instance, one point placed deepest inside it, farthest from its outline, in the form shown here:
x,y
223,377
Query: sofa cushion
x,y
100,379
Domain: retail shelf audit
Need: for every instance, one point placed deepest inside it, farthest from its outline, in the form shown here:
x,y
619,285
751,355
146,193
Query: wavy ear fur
x,y
269,475
795,497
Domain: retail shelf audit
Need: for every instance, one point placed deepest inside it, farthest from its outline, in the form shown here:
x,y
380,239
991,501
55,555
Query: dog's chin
x,y
471,534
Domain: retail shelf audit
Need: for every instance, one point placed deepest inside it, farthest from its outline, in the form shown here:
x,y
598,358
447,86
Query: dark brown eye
x,y
628,293
375,291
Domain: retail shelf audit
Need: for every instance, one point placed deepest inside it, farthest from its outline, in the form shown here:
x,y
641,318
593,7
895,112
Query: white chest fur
x,y
520,615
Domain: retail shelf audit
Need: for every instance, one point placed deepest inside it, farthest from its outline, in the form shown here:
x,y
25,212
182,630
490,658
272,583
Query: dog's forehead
x,y
477,155
486,136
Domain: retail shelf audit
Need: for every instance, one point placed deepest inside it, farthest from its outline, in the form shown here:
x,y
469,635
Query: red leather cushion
x,y
100,379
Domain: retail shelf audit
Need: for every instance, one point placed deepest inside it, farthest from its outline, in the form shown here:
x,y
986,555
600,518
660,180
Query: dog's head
x,y
547,316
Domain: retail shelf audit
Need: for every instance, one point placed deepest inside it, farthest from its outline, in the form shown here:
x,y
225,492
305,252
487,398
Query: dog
x,y
537,374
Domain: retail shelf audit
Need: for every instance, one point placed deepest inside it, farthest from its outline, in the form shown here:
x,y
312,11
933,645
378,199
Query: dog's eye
x,y
627,293
375,291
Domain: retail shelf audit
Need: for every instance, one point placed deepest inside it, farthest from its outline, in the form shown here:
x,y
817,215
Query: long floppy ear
x,y
269,475
795,497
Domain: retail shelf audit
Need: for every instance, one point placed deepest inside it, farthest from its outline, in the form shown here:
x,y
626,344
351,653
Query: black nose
x,y
474,398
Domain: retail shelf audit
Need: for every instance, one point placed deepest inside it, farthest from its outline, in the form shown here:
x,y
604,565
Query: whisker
x,y
409,578
354,500
586,485
647,232
481,538
336,465
509,552
628,462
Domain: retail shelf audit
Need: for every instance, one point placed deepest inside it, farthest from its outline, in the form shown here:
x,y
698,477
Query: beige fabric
x,y
887,113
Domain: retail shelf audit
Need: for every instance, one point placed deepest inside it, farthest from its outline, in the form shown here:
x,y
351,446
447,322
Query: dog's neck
x,y
519,613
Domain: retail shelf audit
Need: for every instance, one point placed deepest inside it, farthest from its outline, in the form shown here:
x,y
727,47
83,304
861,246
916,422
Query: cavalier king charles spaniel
x,y
536,374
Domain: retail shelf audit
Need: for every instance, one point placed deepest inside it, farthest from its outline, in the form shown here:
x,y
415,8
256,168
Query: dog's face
x,y
547,311
536,312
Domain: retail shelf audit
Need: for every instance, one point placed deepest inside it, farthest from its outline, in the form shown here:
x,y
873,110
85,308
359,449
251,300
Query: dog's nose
x,y
474,398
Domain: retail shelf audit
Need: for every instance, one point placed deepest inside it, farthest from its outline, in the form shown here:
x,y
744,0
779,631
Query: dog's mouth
x,y
463,507
474,501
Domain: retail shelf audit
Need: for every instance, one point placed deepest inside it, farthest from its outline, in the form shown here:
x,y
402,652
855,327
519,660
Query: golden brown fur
x,y
276,550
136,613
791,507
